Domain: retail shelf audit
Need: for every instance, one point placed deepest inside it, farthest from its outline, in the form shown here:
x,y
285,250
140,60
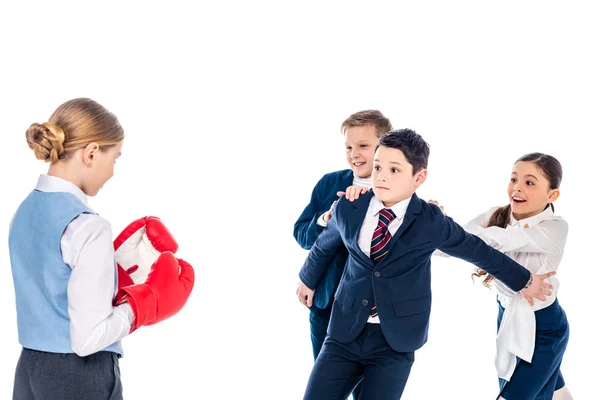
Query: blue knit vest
x,y
39,272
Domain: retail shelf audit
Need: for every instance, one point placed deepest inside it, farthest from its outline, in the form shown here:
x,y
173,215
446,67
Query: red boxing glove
x,y
123,277
164,293
138,247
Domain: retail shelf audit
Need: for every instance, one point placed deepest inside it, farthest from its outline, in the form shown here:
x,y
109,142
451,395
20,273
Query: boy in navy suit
x,y
361,131
380,315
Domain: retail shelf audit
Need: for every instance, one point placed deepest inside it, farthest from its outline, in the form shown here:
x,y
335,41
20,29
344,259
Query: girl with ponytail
x,y
532,338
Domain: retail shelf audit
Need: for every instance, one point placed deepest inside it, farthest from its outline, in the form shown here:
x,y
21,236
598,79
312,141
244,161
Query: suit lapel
x,y
342,181
414,207
347,179
359,211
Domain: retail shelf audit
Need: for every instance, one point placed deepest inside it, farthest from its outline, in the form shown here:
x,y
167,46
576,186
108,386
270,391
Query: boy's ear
x,y
420,177
553,196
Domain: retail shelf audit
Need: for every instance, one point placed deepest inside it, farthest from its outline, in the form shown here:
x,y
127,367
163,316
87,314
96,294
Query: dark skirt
x,y
539,379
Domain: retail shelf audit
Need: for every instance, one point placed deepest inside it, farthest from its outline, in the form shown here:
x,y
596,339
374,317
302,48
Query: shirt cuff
x,y
128,312
439,253
321,221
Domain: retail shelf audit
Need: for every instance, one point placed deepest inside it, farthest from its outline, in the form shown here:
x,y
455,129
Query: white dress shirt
x,y
370,223
537,243
87,248
356,181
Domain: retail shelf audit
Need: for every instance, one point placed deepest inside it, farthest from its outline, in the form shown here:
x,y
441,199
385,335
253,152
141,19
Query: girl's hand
x,y
353,192
538,289
437,204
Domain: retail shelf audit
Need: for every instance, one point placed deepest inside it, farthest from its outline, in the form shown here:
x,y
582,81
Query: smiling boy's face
x,y
360,147
393,179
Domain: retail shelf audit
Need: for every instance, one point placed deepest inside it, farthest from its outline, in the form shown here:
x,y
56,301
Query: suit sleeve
x,y
322,253
476,223
456,242
306,228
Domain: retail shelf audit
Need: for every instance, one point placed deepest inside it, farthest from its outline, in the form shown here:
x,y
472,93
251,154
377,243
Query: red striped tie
x,y
381,238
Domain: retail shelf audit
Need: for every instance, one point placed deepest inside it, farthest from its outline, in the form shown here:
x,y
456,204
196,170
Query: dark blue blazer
x,y
306,231
401,282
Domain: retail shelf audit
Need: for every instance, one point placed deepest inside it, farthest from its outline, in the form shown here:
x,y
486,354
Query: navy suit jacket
x,y
400,283
306,231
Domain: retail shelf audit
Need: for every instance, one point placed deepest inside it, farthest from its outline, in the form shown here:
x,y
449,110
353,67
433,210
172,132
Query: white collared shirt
x,y
87,248
537,243
370,223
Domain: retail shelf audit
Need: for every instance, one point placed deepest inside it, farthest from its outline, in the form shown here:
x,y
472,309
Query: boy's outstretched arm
x,y
456,242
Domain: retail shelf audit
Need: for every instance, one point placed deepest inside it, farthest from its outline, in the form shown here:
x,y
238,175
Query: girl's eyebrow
x,y
533,176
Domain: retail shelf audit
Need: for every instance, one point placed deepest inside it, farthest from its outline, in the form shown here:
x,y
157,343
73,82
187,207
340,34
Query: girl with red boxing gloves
x,y
70,322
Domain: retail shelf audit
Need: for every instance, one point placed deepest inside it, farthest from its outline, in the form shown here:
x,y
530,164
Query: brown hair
x,y
74,125
368,117
552,171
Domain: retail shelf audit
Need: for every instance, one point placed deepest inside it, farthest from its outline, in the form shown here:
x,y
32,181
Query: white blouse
x,y
537,243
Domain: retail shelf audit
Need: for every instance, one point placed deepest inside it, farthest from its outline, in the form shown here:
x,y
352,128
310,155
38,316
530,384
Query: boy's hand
x,y
305,295
327,215
437,204
353,192
538,288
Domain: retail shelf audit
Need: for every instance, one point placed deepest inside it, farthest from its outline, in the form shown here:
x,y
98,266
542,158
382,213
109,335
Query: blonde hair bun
x,y
46,141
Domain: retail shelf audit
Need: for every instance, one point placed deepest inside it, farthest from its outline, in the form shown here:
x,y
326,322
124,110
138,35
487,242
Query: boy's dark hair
x,y
368,117
409,142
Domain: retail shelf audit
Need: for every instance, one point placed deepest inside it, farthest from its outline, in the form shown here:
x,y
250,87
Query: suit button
x,y
377,274
365,302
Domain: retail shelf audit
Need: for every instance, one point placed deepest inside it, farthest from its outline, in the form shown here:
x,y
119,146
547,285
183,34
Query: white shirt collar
x,y
47,183
399,208
532,221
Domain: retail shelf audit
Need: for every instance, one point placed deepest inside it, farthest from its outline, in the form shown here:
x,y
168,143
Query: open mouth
x,y
518,200
359,164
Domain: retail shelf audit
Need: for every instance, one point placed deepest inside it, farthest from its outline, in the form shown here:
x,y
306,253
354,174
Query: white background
x,y
232,114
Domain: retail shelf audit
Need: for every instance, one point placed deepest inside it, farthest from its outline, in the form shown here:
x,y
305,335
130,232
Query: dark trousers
x,y
43,376
539,379
368,360
319,321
